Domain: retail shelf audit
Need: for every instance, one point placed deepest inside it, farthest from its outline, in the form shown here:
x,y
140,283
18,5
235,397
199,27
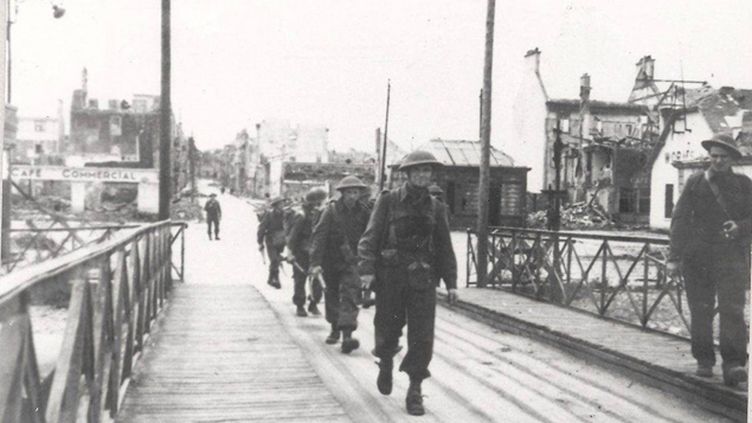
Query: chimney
x,y
112,104
645,68
585,88
532,60
93,104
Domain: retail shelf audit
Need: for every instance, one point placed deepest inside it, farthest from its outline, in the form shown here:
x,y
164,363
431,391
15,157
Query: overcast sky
x,y
237,62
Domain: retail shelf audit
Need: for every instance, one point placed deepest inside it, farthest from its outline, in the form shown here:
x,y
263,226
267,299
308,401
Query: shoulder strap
x,y
717,194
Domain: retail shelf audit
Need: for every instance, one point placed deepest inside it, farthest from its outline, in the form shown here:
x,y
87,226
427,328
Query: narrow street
x,y
479,374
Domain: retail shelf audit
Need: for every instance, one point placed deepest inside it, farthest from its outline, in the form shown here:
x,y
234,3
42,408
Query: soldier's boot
x,y
210,237
734,375
333,337
384,380
274,282
348,342
414,399
313,309
300,312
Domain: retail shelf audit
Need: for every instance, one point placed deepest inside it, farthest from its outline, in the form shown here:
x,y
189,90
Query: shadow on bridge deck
x,y
654,358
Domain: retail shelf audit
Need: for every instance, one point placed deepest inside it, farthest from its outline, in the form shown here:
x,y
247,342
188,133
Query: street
x,y
479,374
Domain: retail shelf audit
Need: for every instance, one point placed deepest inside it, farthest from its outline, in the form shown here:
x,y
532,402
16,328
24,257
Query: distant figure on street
x,y
334,254
403,253
222,190
710,247
213,215
299,244
271,234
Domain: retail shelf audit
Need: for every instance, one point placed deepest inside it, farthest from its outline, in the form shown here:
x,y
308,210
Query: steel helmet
x,y
419,157
351,181
276,201
315,195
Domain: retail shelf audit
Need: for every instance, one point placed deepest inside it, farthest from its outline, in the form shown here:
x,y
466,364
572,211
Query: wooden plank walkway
x,y
664,358
221,354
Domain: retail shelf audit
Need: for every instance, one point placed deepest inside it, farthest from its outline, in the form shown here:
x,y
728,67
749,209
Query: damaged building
x,y
606,146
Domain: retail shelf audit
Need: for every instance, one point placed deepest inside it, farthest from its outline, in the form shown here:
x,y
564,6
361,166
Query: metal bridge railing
x,y
117,288
616,277
37,244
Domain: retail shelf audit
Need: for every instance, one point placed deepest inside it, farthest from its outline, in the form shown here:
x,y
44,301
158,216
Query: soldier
x,y
710,237
272,233
334,252
213,215
403,253
299,244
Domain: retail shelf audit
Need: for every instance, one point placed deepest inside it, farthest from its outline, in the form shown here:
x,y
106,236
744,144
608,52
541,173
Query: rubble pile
x,y
187,209
579,215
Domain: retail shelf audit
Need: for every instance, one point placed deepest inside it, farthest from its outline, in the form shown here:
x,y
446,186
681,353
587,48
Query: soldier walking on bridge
x,y
299,244
710,244
403,253
213,215
271,234
334,252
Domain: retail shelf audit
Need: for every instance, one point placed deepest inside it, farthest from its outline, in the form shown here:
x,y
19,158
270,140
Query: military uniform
x,y
335,244
213,215
714,264
271,234
408,247
299,243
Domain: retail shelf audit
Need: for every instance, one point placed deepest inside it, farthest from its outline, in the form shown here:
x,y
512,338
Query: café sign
x,y
85,174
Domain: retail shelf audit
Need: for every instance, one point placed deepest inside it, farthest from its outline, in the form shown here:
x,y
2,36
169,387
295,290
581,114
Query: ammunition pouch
x,y
419,276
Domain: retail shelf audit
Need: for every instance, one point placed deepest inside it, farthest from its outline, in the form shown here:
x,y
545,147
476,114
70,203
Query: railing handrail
x,y
628,238
16,282
78,228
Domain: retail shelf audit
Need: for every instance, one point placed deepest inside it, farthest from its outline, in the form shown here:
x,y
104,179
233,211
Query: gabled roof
x,y
463,153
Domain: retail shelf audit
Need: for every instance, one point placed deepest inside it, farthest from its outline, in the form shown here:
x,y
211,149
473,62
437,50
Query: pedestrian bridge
x,y
148,337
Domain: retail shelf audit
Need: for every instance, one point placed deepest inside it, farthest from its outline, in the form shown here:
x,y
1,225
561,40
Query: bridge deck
x,y
221,354
665,359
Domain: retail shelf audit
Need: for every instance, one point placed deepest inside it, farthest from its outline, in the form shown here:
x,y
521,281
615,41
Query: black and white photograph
x,y
375,211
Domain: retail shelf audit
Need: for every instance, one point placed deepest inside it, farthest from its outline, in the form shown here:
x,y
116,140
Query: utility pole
x,y
382,175
485,145
165,118
5,188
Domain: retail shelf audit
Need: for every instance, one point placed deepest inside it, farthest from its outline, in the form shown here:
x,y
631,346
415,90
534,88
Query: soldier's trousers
x,y
396,305
718,270
300,278
342,297
275,258
212,221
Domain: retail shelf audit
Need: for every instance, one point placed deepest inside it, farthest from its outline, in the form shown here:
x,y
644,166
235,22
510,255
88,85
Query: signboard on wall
x,y
85,174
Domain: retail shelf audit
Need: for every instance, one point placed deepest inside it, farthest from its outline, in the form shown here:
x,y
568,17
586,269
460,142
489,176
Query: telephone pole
x,y
5,186
165,119
485,145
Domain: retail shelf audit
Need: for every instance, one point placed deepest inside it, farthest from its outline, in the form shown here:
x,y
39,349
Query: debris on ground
x,y
186,208
579,215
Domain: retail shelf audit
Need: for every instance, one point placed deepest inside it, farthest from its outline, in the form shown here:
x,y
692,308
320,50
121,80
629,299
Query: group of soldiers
x,y
398,248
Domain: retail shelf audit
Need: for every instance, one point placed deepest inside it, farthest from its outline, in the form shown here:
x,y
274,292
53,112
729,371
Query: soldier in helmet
x,y
334,253
271,234
299,244
404,251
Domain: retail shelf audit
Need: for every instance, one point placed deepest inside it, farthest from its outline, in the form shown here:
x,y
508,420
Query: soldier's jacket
x,y
271,228
213,209
416,226
698,217
301,232
335,237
